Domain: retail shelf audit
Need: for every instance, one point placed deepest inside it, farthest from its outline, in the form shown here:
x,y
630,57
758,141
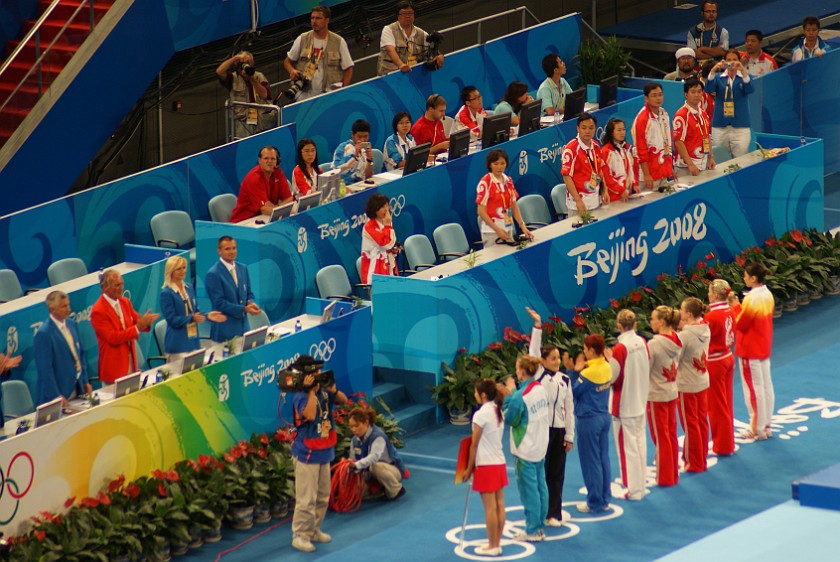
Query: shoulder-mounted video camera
x,y
433,41
291,379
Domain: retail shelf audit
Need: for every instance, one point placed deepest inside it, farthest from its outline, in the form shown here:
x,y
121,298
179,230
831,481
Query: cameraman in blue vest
x,y
372,450
313,450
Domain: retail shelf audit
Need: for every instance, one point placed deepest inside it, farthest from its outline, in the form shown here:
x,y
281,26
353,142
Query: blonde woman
x,y
179,309
721,366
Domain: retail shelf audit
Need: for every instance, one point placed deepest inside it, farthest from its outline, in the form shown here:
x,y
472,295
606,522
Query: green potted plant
x,y
456,392
244,485
601,58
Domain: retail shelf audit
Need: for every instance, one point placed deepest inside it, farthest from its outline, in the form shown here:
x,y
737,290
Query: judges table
x,y
421,322
201,412
20,319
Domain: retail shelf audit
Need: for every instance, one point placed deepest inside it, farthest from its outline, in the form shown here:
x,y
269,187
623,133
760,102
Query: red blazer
x,y
117,355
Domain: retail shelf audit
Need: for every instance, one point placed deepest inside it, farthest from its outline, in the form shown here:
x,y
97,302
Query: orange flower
x,y
796,235
264,439
614,303
40,535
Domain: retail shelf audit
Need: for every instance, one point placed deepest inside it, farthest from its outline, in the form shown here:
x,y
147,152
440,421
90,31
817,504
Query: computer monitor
x,y
311,199
608,92
459,143
281,212
127,384
192,361
574,104
496,129
254,338
529,117
416,158
48,413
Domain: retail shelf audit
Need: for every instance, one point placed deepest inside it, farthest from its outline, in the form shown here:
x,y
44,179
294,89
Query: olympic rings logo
x,y
323,350
7,483
515,550
397,204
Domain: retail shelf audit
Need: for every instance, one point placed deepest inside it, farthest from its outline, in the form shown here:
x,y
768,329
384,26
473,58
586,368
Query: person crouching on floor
x,y
372,450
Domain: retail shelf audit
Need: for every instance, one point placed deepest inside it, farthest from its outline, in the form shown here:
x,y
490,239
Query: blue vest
x,y
361,449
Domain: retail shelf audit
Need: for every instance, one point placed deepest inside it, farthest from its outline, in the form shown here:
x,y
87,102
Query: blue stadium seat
x,y
534,210
65,270
221,206
17,400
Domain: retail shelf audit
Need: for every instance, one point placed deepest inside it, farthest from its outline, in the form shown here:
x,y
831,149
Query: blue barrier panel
x,y
284,257
328,118
420,323
95,224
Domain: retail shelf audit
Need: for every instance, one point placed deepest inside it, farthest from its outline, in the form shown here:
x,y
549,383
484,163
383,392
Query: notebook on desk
x,y
192,361
254,338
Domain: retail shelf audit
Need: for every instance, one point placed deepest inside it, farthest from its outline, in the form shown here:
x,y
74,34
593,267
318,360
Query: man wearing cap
x,y
685,65
313,449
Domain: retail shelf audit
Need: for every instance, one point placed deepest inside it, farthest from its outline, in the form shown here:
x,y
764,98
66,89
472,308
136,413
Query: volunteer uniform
x,y
498,197
377,241
584,165
693,128
652,135
621,169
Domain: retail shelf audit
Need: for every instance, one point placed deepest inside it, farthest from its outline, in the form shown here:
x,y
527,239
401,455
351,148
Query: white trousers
x,y
758,392
312,496
631,445
591,200
735,139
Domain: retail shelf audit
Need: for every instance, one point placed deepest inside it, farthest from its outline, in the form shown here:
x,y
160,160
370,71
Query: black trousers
x,y
555,470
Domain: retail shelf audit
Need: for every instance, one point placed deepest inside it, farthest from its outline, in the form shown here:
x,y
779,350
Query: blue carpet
x,y
725,500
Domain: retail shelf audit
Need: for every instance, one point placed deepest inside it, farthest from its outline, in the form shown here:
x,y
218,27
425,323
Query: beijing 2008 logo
x,y
523,163
15,482
11,340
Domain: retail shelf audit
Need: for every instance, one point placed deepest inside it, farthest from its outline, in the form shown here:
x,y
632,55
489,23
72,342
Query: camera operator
x,y
246,84
403,45
318,60
313,449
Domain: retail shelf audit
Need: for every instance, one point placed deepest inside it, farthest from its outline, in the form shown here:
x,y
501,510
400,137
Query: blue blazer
x,y
738,93
174,311
229,299
55,363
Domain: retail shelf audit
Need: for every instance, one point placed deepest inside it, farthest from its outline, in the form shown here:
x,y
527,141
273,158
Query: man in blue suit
x,y
229,289
58,354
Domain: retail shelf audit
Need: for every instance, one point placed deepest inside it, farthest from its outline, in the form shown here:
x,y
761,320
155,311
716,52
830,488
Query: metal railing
x,y
34,37
230,122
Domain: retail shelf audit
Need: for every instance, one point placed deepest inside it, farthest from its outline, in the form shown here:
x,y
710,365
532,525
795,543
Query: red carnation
x,y
635,296
132,491
796,235
662,276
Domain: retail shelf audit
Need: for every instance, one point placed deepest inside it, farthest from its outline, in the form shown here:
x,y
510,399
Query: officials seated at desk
x,y
263,188
472,113
552,92
398,144
117,325
229,288
354,157
59,356
429,128
305,174
515,96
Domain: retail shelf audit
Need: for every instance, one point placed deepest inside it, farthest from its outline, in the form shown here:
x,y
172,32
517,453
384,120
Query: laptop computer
x,y
281,212
48,413
254,338
127,384
311,199
328,311
192,361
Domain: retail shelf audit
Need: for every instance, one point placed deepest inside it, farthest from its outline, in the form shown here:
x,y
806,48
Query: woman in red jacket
x,y
378,239
753,343
621,171
721,366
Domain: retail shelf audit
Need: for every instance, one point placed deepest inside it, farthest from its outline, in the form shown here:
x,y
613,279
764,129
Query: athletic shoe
x,y
747,434
583,508
487,551
522,536
400,494
320,536
768,432
553,522
302,544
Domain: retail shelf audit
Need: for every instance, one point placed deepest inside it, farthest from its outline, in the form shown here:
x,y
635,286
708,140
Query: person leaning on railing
x,y
246,84
403,45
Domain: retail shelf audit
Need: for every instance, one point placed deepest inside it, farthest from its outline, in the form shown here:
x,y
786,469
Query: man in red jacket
x,y
117,325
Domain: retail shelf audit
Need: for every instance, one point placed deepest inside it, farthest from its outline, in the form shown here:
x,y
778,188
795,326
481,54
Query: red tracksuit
x,y
721,366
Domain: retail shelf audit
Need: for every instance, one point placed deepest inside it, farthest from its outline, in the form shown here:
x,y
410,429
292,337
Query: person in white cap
x,y
685,65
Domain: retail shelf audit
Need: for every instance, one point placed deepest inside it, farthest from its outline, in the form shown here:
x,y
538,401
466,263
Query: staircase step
x,y
26,96
60,52
18,69
416,417
66,9
393,394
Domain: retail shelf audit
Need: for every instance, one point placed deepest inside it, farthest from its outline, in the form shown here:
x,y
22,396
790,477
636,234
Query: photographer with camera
x,y
354,157
730,82
379,241
313,447
319,60
246,84
402,45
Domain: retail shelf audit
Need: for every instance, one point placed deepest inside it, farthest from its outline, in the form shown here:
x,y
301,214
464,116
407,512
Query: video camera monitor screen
x,y
608,92
416,158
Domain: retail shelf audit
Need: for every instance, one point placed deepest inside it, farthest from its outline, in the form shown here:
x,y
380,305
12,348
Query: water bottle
x,y
225,351
94,400
802,141
342,188
297,325
158,377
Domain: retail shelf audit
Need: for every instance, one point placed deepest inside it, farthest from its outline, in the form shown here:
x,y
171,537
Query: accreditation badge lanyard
x,y
506,196
702,124
712,37
592,156
627,157
312,66
251,118
555,91
323,415
666,134
192,327
729,98
409,46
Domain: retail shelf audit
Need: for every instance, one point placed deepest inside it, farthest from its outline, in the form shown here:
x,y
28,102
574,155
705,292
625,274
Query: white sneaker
x,y
522,536
553,522
487,551
583,508
302,544
320,536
